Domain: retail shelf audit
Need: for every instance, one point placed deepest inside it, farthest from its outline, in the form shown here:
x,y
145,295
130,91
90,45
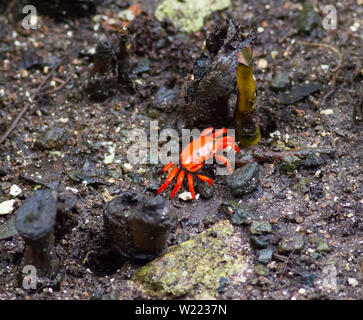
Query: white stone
x,y
353,282
111,154
126,167
185,196
327,111
302,291
72,189
15,190
7,207
355,26
262,63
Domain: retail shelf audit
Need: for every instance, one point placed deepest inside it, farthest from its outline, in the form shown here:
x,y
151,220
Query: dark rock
x,y
87,179
152,185
261,270
290,163
308,18
143,65
206,191
323,247
259,242
298,93
280,81
90,174
210,220
292,244
265,256
47,174
316,191
165,99
308,279
223,282
30,59
244,180
320,244
240,214
54,138
3,171
153,113
260,228
312,161
7,229
51,61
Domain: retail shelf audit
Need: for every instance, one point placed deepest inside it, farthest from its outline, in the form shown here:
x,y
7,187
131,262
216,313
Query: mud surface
x,y
317,205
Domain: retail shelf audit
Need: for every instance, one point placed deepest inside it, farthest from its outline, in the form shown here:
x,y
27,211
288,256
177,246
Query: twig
x,y
60,87
325,97
25,108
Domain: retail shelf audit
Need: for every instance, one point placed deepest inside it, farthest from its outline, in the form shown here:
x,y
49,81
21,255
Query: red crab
x,y
194,155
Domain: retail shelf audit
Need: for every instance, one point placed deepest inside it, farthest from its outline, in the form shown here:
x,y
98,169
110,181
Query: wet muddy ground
x,y
315,205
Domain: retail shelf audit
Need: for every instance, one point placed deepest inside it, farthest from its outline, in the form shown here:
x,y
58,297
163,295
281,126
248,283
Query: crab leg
x,y
225,162
170,177
204,178
168,166
206,132
219,132
224,142
191,185
196,167
179,181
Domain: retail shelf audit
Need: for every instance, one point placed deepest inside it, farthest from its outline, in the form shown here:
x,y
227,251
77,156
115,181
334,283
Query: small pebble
x,y
274,54
260,228
265,256
355,26
24,73
302,291
327,112
15,190
126,167
353,282
262,63
185,196
7,207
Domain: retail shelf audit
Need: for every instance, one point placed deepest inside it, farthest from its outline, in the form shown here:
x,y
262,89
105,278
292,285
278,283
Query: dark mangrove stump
x,y
35,221
138,229
214,79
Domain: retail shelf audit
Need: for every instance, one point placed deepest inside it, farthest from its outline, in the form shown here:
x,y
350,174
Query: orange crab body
x,y
194,155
